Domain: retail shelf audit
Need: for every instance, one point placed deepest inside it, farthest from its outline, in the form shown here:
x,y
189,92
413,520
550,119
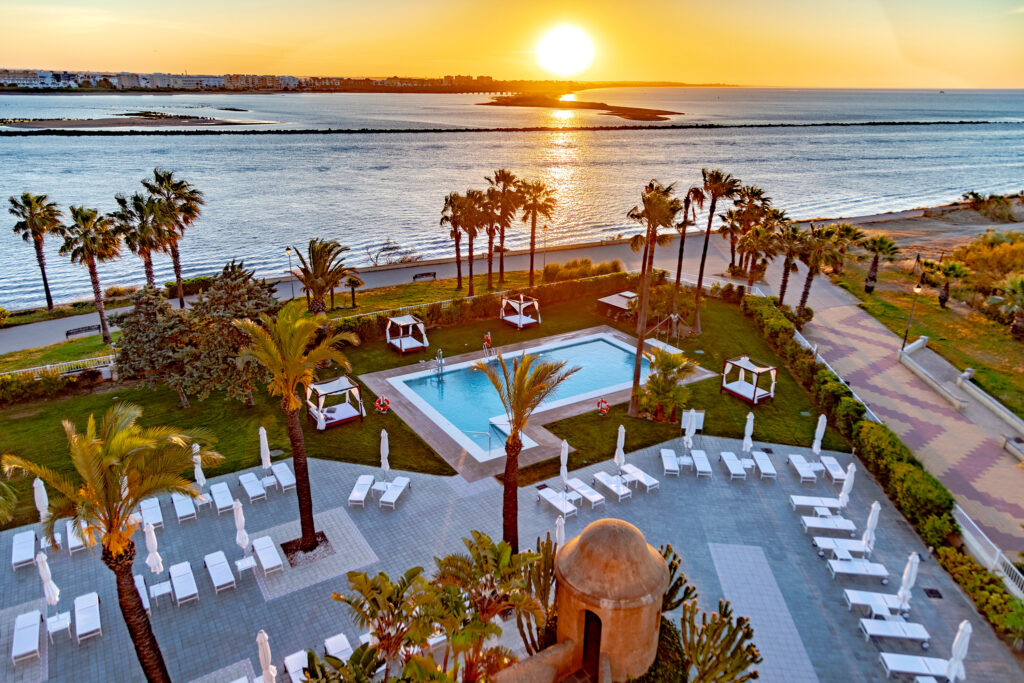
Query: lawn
x,y
75,349
34,315
962,336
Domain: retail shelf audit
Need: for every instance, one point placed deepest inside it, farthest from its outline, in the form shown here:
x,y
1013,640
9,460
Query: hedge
x,y
985,588
20,387
190,285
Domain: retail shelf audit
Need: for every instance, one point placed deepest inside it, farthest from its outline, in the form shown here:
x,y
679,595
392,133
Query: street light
x,y
910,318
291,278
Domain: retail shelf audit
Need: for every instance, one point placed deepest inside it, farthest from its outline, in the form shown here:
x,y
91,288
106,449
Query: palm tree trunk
x,y
732,251
302,490
183,398
458,261
332,298
353,296
139,628
645,290
176,262
147,262
944,294
786,265
97,295
490,259
811,272
469,245
533,242
41,258
643,267
510,493
501,254
679,272
872,278
703,260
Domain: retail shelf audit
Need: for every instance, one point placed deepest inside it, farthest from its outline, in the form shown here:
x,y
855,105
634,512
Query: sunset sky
x,y
801,43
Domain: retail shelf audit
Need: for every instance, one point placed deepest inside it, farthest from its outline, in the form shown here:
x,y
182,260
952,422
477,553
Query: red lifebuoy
x,y
603,407
487,340
382,404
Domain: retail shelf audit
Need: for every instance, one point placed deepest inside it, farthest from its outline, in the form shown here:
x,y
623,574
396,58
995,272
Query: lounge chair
x,y
361,490
252,486
880,604
140,585
267,555
614,484
75,540
220,571
764,465
23,551
669,462
701,463
151,514
338,646
835,471
813,502
395,490
27,629
183,583
828,524
803,469
294,663
842,548
647,481
589,494
285,477
557,500
733,465
912,665
858,567
902,630
184,508
87,617
222,498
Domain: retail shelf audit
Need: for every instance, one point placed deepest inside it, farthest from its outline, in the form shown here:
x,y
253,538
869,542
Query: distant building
x,y
20,78
251,82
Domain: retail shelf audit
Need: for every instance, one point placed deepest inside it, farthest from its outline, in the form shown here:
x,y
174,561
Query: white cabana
x,y
736,382
329,416
402,332
520,311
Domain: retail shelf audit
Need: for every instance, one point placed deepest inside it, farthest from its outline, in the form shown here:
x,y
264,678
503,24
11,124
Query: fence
x,y
802,340
988,553
66,367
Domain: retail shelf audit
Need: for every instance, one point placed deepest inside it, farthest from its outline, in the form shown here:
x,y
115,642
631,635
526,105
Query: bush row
x,y
191,285
16,388
985,588
579,268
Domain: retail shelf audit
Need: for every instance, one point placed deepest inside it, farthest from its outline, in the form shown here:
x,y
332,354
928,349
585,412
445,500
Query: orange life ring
x,y
603,407
382,404
487,340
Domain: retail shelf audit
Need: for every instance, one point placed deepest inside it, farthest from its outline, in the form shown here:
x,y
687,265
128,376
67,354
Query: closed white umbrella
x,y
819,434
153,559
241,538
263,645
909,577
384,450
844,493
748,434
955,665
563,470
264,449
869,529
50,590
560,531
691,428
620,442
197,470
41,499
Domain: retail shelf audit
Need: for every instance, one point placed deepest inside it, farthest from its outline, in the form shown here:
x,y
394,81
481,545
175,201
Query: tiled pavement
x,y
214,640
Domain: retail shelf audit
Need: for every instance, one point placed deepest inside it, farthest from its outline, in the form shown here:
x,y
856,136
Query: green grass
x,y
34,315
75,349
958,333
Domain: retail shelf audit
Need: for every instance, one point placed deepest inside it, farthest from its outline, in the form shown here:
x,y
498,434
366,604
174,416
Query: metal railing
x,y
818,358
66,367
988,553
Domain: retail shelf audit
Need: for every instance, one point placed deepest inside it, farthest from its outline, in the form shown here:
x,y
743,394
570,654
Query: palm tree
x,y
1013,292
537,201
695,197
472,220
118,463
509,201
820,250
353,282
290,347
789,241
950,271
759,248
321,271
490,215
453,215
91,239
846,236
731,229
182,204
880,246
521,389
717,185
38,217
145,227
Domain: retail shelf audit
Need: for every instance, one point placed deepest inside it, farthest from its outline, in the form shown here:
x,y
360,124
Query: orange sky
x,y
800,43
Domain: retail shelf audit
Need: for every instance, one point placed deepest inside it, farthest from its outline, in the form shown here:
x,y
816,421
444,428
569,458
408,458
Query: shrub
x,y
577,269
4,315
828,390
985,588
879,448
935,529
668,666
849,411
119,291
190,285
917,494
15,388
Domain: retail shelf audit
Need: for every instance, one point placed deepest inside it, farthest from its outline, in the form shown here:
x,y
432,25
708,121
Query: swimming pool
x,y
462,402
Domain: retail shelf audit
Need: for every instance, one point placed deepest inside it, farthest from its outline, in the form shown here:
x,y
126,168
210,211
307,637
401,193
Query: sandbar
x,y
552,102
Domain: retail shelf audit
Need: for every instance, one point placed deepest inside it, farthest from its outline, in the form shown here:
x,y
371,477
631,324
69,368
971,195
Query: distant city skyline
x,y
788,43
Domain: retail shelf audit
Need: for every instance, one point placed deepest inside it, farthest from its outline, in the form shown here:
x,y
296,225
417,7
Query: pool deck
x,y
548,445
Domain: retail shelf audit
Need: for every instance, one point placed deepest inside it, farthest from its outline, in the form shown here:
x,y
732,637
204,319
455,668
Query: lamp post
x,y
291,278
910,318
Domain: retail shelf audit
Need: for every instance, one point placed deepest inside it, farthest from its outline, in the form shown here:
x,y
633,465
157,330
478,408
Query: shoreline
x,y
123,122
550,102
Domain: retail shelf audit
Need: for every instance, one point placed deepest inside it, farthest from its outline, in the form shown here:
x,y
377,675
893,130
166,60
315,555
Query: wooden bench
x,y
424,276
81,330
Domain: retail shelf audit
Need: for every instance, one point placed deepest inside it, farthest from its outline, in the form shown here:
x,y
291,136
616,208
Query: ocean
x,y
265,192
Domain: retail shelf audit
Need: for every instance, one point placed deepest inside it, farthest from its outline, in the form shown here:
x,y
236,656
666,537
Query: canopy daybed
x,y
340,413
516,311
406,333
744,388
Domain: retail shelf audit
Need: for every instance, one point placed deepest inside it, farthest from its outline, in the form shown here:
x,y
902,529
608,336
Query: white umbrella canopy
x,y
955,665
560,531
869,529
748,434
385,450
197,470
691,428
264,449
241,538
819,434
50,590
620,442
41,499
153,559
563,470
909,577
844,493
263,645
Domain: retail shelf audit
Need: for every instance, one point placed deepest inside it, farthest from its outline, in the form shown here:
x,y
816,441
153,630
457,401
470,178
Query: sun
x,y
565,51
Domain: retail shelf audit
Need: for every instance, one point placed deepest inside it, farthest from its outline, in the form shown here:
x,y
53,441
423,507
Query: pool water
x,y
467,400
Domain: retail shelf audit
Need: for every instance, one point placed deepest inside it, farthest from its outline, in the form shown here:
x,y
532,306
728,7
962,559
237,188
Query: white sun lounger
x,y
647,481
701,463
75,540
835,471
902,630
361,490
803,469
267,555
222,498
27,629
252,486
23,550
589,494
285,477
912,665
140,586
395,490
557,500
220,571
859,567
338,646
184,508
615,485
87,617
669,463
828,524
733,465
764,465
813,502
151,514
880,604
841,546
183,583
293,664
